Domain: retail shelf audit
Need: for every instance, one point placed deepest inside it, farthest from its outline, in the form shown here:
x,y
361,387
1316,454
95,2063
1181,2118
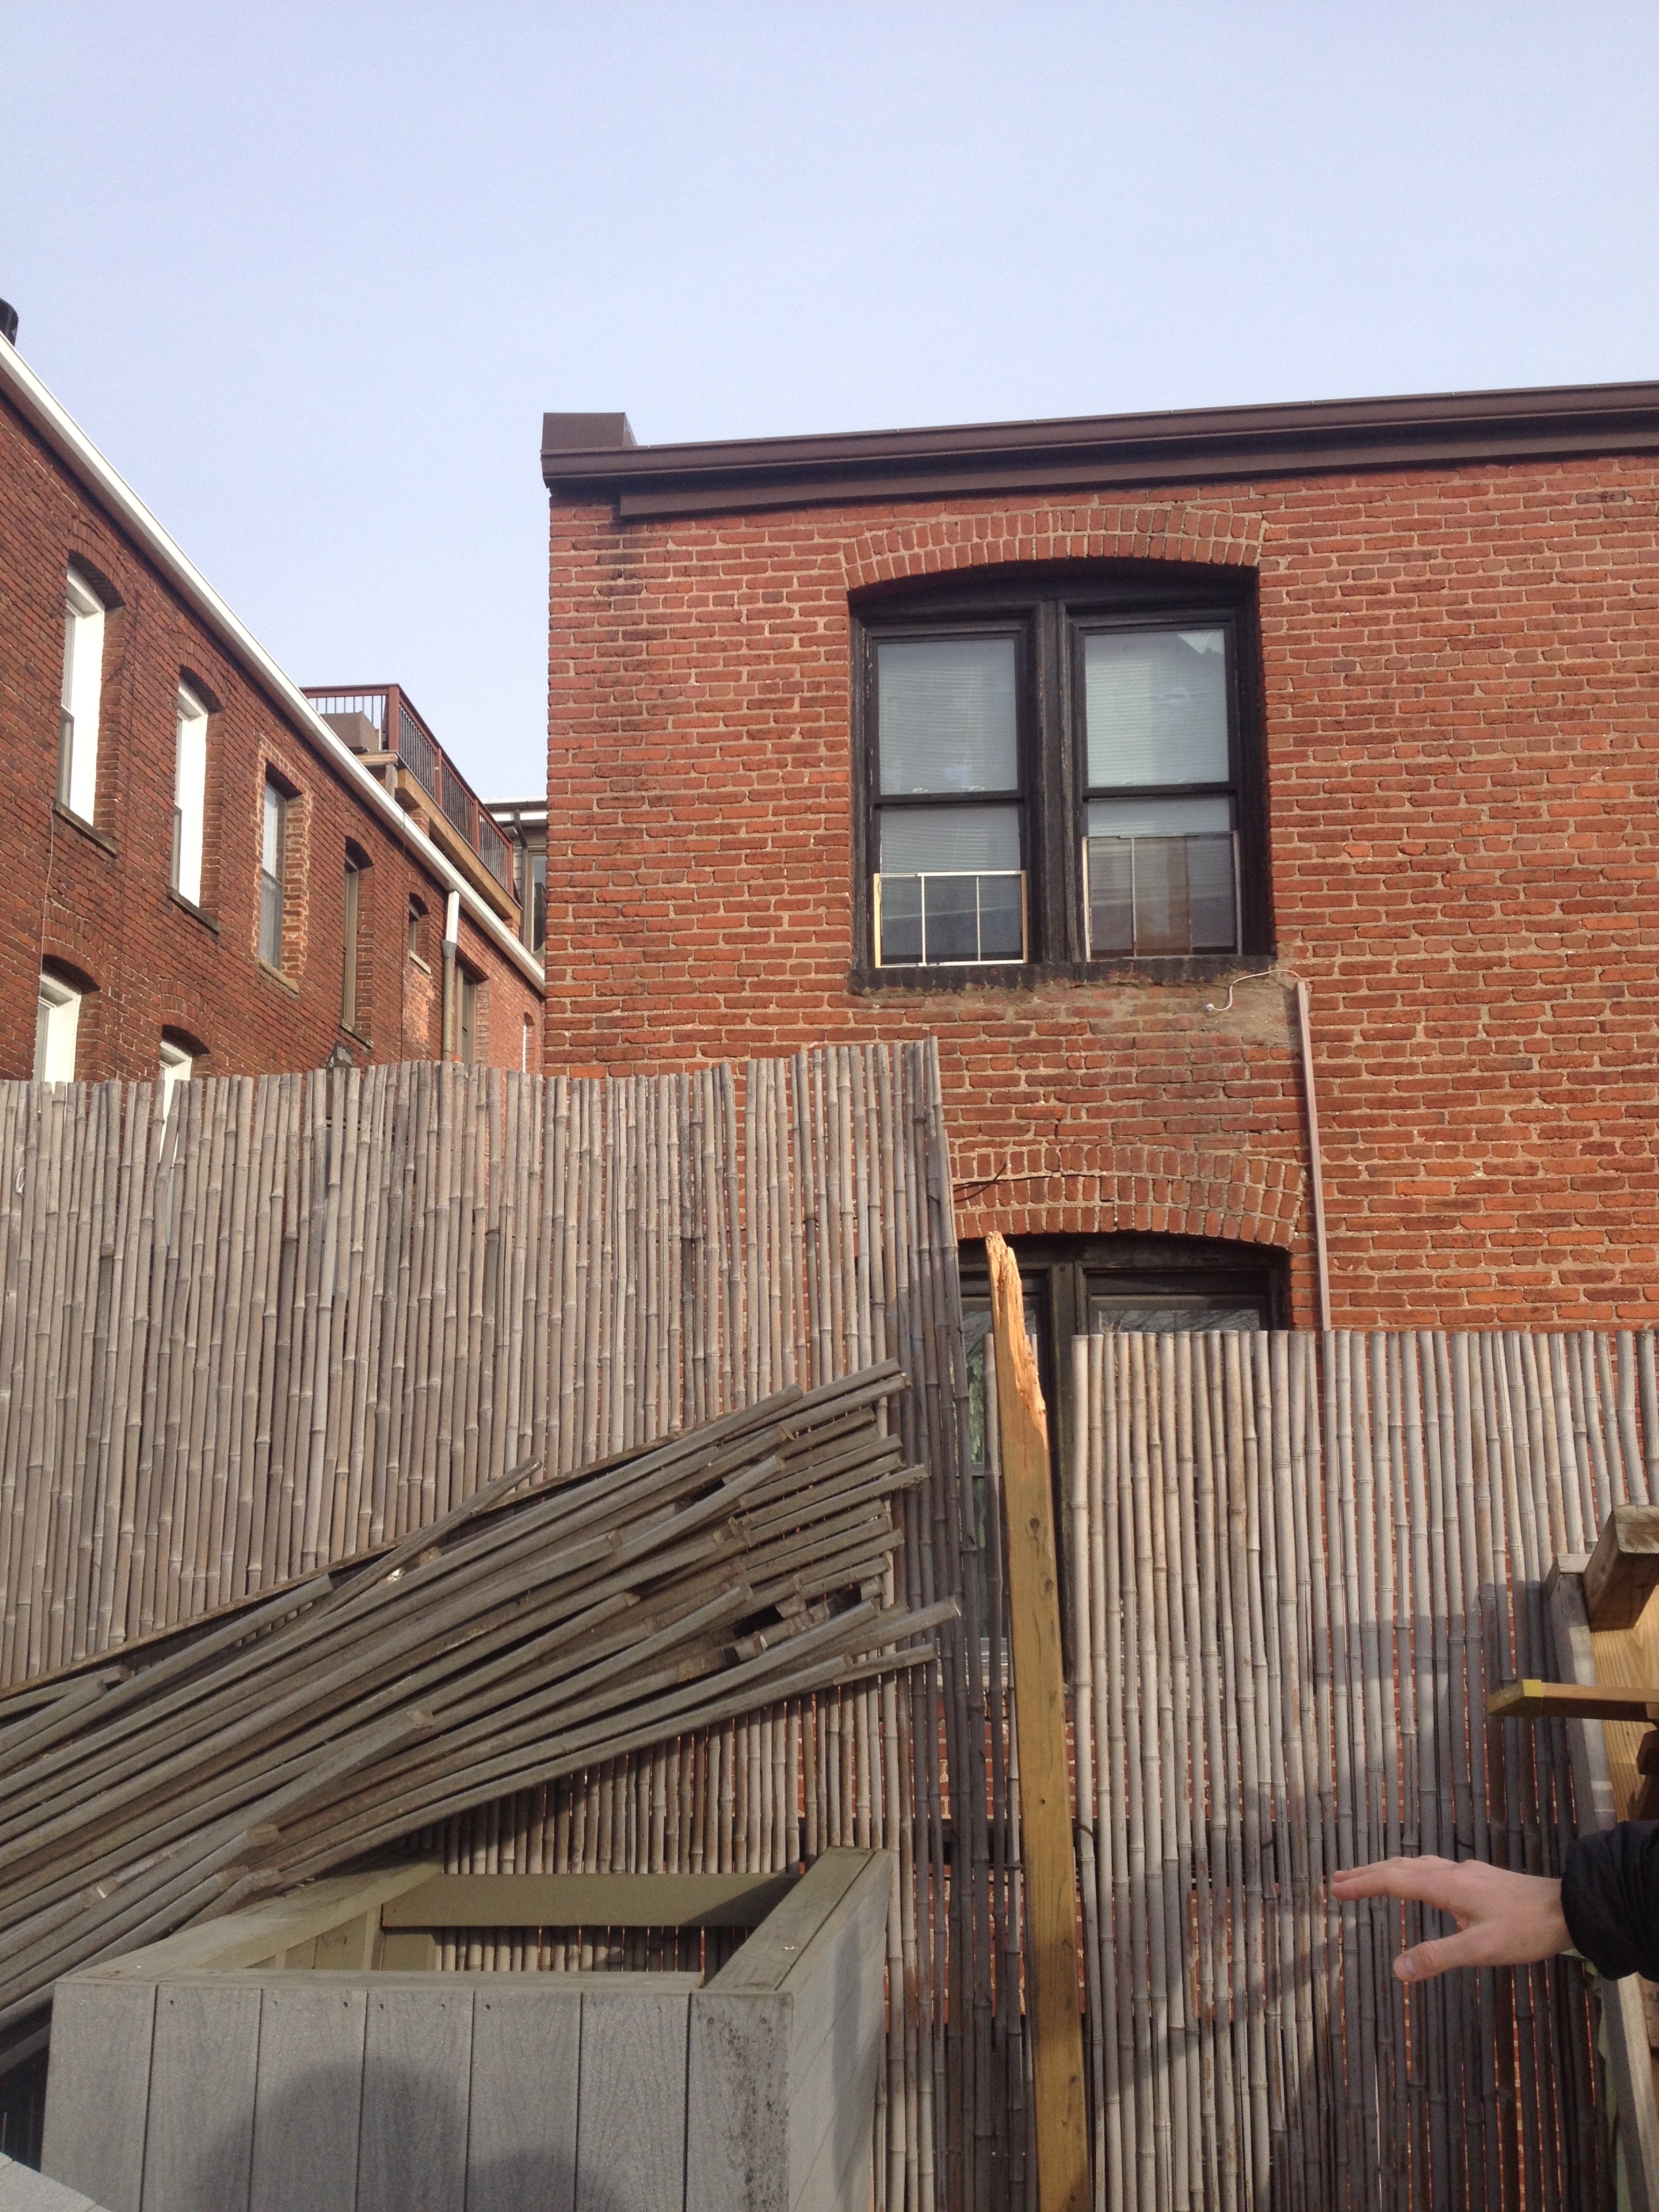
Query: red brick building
x,y
1079,744
196,871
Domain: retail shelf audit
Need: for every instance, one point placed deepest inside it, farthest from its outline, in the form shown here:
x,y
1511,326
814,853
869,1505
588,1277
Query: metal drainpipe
x,y
452,932
1305,1029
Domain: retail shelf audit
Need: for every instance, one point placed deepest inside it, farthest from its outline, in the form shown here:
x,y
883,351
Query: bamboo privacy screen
x,y
302,1315
1297,1565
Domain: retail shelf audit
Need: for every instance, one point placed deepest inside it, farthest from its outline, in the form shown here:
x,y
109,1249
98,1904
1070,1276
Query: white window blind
x,y
1156,704
946,715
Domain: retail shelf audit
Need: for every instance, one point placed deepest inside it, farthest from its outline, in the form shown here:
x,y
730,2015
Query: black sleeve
x,y
1610,1896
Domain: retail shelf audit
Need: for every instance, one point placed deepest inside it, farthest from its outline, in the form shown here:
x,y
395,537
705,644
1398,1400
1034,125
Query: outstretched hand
x,y
1503,1919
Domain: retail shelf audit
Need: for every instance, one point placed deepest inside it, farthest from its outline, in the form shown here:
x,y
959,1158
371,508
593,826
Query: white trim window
x,y
189,796
272,871
83,683
57,1018
177,1066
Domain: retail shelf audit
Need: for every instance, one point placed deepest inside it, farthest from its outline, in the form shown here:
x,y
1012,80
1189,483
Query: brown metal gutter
x,y
590,459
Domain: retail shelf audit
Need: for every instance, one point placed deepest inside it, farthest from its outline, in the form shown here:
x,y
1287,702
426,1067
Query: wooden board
x,y
261,1934
588,1900
631,2151
98,2090
23,2189
1624,1568
198,2136
765,1961
1050,1860
417,2045
736,2124
1580,1657
308,2098
521,2140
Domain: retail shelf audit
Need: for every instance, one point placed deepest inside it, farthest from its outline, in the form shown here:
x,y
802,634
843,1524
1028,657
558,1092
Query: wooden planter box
x,y
300,2056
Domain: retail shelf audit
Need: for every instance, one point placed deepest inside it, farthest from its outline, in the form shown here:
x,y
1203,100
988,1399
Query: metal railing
x,y
387,709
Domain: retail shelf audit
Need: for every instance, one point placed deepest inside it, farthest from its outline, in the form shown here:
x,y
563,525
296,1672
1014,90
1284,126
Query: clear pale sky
x,y
309,275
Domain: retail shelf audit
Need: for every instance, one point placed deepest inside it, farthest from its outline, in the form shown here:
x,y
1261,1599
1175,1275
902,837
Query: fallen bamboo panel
x,y
524,1640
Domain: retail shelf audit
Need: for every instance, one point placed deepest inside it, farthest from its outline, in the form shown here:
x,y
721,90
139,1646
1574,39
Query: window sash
x,y
939,919
272,872
189,796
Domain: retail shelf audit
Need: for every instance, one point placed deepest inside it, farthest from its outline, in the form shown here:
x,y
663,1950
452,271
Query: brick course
x,y
1462,736
100,905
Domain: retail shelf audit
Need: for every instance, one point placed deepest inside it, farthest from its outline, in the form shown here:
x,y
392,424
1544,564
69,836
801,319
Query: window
x,y
57,1017
273,873
416,921
472,991
533,873
189,796
83,683
356,867
176,1067
1059,776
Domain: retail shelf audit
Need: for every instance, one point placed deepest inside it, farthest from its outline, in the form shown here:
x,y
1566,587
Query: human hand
x,y
1503,1919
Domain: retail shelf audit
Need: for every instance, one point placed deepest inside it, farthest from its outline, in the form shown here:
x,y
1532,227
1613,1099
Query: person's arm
x,y
1503,1919
1605,1906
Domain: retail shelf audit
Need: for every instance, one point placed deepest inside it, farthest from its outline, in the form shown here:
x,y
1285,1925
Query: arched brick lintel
x,y
1153,1191
1072,533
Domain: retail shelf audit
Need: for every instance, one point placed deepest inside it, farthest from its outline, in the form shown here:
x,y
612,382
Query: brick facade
x,y
1461,706
94,900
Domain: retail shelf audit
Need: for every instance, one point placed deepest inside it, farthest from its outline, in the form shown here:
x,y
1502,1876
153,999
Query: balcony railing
x,y
385,709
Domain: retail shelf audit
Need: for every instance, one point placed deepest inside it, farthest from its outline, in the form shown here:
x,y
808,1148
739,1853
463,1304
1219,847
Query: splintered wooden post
x,y
1056,2026
1623,1568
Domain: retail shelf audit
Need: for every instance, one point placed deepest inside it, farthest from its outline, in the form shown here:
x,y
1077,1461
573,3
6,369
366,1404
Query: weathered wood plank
x,y
767,1959
837,2030
266,1930
630,2146
1624,1568
309,2098
1050,1859
23,2189
736,2120
1531,1699
198,2145
417,2051
407,1951
521,2139
98,2090
589,1900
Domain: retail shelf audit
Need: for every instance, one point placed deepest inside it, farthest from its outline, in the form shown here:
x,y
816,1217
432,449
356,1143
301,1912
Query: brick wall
x,y
1461,709
98,902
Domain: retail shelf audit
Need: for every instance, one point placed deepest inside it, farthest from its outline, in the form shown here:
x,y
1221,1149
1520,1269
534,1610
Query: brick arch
x,y
1094,533
1057,1190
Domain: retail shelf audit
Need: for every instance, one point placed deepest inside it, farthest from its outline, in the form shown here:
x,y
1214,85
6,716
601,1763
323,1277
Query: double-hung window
x,y
83,683
950,876
273,868
189,796
1064,777
57,1022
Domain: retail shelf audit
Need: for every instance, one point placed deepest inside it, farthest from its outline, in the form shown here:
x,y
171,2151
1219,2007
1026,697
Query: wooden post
x,y
1051,1962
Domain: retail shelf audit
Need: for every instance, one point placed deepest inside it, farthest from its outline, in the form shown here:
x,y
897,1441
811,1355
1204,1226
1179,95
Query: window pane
x,y
1111,895
1158,818
901,919
945,714
948,839
1000,936
951,918
1109,1315
1156,706
273,834
270,920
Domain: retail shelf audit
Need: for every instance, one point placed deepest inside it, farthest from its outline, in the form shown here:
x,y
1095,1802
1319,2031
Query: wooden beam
x,y
588,1900
1624,1568
1529,1700
1050,1862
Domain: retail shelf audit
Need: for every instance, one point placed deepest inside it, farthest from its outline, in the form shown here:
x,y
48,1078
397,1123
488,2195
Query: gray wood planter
x,y
296,2057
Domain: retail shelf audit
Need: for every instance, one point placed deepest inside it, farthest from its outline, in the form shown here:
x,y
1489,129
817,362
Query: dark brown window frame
x,y
1051,607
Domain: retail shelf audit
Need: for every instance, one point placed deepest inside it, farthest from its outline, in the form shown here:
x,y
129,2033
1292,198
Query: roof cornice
x,y
82,459
1100,452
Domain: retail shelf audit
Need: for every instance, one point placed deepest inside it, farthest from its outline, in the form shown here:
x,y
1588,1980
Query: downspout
x,y
1321,1255
452,932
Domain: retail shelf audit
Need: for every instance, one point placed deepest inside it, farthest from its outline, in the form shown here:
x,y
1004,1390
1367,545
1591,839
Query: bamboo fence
x,y
295,1318
1296,1565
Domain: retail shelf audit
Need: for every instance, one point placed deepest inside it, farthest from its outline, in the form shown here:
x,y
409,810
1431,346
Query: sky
x,y
309,275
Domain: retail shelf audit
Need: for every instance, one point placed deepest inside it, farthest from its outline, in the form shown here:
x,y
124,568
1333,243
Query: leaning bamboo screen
x,y
1297,1566
296,1316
